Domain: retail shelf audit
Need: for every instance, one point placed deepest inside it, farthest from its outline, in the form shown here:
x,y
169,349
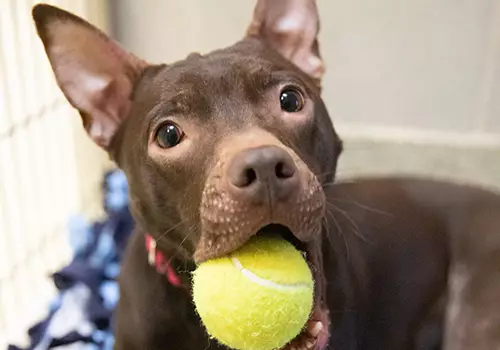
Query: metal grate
x,y
41,145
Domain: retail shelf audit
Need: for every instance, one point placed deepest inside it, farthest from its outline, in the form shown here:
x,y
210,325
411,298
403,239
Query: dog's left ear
x,y
291,27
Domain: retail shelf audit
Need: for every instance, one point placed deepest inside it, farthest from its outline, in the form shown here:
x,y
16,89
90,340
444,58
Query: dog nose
x,y
263,174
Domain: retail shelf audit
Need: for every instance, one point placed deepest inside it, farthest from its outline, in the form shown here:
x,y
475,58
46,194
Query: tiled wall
x,y
48,169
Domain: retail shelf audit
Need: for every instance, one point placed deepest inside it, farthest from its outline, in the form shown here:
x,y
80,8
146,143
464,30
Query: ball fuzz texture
x,y
258,298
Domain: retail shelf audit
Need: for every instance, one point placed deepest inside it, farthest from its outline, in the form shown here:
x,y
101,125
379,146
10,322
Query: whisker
x,y
179,246
173,228
341,311
362,206
326,173
172,243
356,203
329,184
340,233
327,228
355,228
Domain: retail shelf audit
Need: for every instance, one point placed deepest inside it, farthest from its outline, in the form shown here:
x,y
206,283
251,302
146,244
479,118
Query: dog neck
x,y
161,263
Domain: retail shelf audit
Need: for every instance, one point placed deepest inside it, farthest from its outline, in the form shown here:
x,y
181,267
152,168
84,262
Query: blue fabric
x,y
80,317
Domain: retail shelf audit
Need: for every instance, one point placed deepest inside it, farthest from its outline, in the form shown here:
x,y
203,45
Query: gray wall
x,y
411,85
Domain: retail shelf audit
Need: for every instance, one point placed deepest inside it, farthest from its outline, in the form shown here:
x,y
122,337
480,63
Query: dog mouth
x,y
229,219
315,333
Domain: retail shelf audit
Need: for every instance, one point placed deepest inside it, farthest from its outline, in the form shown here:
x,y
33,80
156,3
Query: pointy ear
x,y
291,27
96,75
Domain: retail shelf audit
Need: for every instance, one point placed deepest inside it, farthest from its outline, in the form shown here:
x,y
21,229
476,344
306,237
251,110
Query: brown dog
x,y
220,147
420,257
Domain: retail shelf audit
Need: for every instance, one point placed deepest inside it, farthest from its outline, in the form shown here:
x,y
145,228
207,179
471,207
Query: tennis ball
x,y
257,298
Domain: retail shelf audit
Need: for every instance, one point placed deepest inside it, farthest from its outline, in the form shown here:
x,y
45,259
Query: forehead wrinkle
x,y
215,82
186,98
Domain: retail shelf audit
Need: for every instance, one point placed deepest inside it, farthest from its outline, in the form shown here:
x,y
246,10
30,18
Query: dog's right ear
x,y
96,75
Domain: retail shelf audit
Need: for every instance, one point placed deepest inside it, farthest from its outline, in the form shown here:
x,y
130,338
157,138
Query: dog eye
x,y
169,135
291,100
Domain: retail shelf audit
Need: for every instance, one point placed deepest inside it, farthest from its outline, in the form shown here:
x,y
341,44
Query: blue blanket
x,y
80,317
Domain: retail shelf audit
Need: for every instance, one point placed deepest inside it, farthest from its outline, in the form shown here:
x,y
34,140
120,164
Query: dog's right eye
x,y
291,100
169,135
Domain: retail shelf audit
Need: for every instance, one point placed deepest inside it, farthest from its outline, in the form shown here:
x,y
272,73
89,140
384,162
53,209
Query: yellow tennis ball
x,y
258,298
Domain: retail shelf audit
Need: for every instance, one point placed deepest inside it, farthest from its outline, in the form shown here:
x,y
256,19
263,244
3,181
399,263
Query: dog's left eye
x,y
169,135
291,100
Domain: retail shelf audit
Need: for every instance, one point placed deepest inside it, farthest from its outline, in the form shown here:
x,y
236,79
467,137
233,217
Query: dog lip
x,y
285,232
218,250
319,313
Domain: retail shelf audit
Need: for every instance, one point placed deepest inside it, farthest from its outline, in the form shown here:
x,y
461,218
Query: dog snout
x,y
263,174
253,187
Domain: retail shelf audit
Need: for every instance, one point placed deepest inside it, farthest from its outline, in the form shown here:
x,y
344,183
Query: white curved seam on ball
x,y
266,283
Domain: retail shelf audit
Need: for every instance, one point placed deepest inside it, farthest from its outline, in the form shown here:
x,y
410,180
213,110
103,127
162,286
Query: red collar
x,y
160,263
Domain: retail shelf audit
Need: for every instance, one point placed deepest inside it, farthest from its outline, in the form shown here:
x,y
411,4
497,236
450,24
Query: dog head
x,y
217,147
